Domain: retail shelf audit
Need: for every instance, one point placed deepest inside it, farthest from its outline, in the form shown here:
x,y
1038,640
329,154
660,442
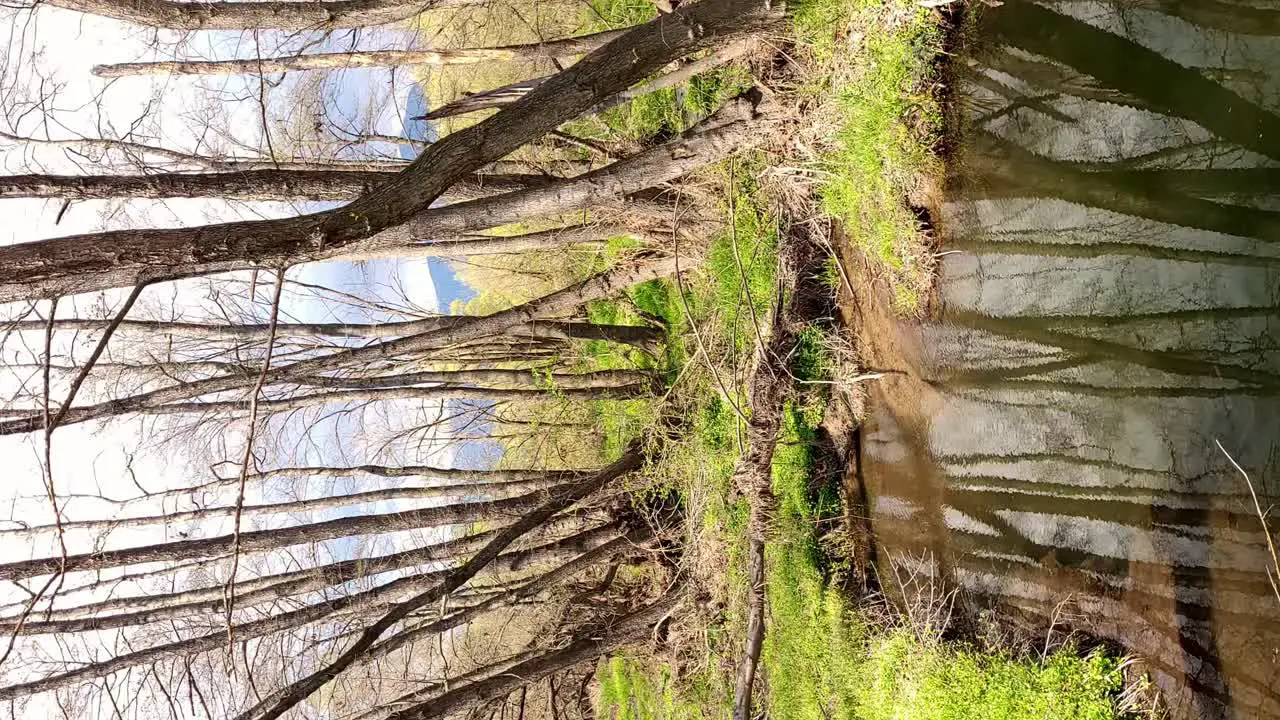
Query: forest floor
x,y
864,88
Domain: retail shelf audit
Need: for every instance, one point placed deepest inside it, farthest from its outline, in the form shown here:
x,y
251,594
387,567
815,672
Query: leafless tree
x,y
320,547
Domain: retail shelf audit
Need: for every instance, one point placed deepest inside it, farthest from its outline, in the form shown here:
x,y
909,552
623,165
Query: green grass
x,y
874,61
811,640
837,668
629,691
909,680
725,300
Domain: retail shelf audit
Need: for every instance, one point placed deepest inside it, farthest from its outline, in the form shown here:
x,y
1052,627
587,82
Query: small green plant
x,y
632,691
912,680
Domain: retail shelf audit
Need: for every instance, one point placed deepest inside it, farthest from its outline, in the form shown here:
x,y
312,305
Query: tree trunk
x,y
427,394
491,491
477,479
438,393
553,329
264,185
252,185
586,647
212,600
273,14
100,261
490,378
488,99
373,58
540,241
255,540
458,329
641,336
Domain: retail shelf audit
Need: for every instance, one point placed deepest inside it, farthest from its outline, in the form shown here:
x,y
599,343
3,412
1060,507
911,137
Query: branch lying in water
x,y
1262,518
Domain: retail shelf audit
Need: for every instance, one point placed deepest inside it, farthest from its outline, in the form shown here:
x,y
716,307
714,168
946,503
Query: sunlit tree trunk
x,y
272,14
375,58
128,257
250,185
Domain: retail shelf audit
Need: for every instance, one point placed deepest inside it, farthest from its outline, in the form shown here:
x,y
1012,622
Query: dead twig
x,y
229,591
1262,518
58,576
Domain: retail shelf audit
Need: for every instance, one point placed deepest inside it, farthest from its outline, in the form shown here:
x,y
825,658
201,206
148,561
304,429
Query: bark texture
x,y
376,58
273,14
338,184
497,378
551,329
79,264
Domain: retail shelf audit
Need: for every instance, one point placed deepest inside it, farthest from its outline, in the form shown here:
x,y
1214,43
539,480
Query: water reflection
x,y
1114,308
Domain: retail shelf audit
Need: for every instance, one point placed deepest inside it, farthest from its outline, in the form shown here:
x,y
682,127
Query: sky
x,y
55,48
48,91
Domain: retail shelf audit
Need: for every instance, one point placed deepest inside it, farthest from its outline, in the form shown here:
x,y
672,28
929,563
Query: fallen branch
x,y
508,94
771,384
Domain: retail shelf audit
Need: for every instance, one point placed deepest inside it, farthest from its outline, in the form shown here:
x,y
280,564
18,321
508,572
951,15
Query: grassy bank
x,y
862,151
866,144
873,122
824,659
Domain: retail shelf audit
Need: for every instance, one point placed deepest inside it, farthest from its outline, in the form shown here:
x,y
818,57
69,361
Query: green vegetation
x,y
878,121
836,666
638,695
871,115
915,680
876,124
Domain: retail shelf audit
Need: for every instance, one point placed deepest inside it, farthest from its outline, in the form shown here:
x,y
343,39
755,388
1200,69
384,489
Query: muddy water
x,y
1109,311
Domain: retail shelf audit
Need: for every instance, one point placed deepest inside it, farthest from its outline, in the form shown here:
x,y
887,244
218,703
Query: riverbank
x,y
859,170
863,164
